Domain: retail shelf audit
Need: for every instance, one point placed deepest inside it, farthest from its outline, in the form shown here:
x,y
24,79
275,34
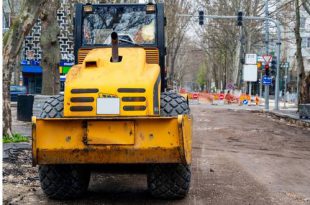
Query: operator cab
x,y
137,25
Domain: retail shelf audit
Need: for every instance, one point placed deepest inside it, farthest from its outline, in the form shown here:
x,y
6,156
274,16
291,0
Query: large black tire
x,y
170,180
172,104
61,181
64,181
53,108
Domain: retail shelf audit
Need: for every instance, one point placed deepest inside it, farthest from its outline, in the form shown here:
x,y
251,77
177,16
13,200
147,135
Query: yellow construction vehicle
x,y
115,111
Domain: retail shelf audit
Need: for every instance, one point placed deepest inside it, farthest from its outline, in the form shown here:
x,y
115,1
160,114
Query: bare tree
x,y
12,43
306,5
304,79
50,48
176,30
188,60
14,6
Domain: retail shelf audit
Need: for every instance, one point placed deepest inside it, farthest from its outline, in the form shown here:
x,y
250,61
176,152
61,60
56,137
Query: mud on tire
x,y
169,181
61,181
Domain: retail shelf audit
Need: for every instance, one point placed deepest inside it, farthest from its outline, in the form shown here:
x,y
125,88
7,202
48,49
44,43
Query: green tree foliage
x,y
201,75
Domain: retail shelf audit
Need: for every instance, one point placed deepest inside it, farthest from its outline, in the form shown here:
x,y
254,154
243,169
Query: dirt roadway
x,y
238,158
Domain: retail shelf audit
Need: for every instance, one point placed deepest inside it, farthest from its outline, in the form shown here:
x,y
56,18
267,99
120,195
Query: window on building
x,y
302,22
6,22
304,42
308,43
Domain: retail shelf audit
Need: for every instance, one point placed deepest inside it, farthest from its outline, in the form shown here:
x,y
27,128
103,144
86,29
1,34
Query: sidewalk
x,y
289,113
20,127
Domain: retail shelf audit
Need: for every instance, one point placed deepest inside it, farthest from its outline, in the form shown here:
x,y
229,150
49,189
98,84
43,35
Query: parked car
x,y
16,90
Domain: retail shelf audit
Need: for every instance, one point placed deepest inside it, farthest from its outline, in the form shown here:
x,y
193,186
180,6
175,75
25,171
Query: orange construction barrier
x,y
256,100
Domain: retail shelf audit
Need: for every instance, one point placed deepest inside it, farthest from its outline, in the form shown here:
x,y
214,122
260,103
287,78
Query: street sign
x,y
267,58
260,58
195,96
267,80
221,97
251,59
250,73
285,65
230,86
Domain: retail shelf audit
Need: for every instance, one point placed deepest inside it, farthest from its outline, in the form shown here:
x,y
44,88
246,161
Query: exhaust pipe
x,y
114,40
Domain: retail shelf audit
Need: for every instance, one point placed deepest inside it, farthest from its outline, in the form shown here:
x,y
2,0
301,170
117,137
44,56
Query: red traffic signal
x,y
267,70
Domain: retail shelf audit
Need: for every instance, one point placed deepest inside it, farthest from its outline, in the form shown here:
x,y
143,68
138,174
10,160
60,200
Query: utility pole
x,y
241,55
267,51
285,85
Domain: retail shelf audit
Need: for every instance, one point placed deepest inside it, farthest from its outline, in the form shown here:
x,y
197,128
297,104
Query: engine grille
x,y
82,53
152,55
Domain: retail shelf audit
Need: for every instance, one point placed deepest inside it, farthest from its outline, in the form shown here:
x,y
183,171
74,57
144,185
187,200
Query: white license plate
x,y
109,106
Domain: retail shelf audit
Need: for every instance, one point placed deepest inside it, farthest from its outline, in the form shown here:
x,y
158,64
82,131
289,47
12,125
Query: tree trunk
x,y
8,66
12,43
17,70
50,48
304,79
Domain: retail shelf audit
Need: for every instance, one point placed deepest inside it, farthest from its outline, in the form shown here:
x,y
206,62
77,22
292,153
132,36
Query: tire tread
x,y
170,181
61,181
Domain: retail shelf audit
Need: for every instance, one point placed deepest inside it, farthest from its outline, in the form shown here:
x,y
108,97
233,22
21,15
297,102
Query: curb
x,y
289,118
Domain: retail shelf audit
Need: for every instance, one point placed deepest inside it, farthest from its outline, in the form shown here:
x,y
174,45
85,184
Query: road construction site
x,y
239,157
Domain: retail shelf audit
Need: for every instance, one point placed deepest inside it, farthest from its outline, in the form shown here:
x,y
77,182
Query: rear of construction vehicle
x,y
114,111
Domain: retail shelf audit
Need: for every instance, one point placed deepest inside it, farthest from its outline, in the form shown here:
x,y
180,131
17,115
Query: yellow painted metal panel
x,y
34,140
109,155
60,134
110,132
156,140
187,136
132,72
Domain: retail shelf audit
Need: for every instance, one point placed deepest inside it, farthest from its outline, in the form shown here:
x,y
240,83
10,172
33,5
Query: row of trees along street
x,y
205,54
213,52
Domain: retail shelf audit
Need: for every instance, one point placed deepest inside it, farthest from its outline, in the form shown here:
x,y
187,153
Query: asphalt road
x,y
239,157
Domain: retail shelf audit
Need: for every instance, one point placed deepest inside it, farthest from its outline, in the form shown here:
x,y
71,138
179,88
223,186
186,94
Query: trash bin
x,y
24,107
304,111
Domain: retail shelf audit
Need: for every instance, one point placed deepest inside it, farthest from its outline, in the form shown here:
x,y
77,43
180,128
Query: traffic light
x,y
259,65
273,66
239,18
267,72
201,18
